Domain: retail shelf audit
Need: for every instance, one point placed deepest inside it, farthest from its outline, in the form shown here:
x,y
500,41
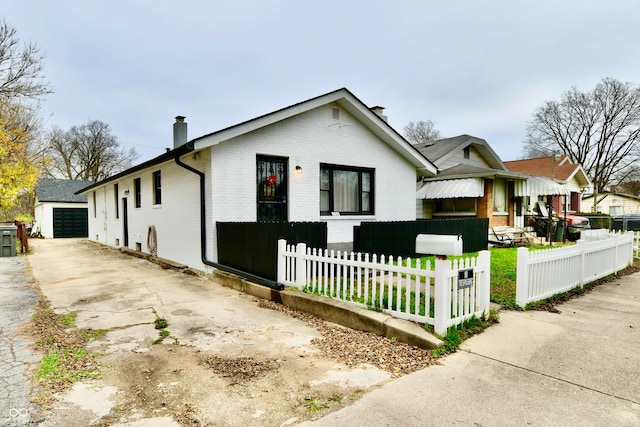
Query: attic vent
x,y
335,114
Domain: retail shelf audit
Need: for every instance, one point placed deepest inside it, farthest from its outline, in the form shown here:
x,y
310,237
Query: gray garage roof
x,y
61,190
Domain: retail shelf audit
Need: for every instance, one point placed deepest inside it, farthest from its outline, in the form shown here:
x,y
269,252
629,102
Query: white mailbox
x,y
439,244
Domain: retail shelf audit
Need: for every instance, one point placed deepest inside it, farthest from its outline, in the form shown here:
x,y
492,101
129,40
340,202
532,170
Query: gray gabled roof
x,y
342,97
350,103
61,190
440,150
469,171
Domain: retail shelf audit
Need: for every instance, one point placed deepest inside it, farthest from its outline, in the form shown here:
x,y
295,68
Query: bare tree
x,y
87,152
598,129
421,132
21,70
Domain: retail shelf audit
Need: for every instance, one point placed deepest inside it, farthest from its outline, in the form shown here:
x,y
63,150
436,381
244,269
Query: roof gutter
x,y
203,234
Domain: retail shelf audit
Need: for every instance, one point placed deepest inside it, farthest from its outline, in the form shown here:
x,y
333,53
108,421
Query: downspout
x,y
203,233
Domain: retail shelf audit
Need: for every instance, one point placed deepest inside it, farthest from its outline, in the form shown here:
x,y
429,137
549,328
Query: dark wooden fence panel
x,y
398,238
625,223
253,246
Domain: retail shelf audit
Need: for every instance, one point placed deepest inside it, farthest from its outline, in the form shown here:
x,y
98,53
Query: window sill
x,y
454,214
501,214
347,217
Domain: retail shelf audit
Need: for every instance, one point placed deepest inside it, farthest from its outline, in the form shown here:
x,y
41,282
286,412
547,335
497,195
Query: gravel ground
x,y
354,347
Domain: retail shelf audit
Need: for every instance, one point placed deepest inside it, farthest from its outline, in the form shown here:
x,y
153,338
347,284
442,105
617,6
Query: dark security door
x,y
271,176
125,222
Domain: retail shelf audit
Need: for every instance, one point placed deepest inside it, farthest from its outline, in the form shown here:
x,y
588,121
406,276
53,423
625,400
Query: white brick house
x,y
329,158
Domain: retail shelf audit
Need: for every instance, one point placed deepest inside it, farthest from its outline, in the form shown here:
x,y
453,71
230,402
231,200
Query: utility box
x,y
8,240
439,244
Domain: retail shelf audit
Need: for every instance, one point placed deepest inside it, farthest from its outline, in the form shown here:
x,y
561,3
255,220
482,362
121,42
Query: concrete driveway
x,y
110,290
143,383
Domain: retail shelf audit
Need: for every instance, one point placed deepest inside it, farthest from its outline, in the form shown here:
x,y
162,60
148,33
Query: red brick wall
x,y
485,206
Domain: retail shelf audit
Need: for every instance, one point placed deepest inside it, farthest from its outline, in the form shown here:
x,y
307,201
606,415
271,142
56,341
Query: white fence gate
x,y
449,294
544,273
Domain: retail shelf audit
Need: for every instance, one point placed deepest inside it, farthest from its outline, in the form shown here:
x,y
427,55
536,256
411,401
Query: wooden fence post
x,y
442,296
583,256
632,236
522,277
484,284
282,262
301,265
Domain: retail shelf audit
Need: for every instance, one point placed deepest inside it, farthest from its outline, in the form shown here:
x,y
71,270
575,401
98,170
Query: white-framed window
x,y
137,192
500,196
346,190
116,201
157,188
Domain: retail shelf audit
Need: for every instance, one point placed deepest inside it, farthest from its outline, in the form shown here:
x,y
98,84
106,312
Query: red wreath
x,y
271,180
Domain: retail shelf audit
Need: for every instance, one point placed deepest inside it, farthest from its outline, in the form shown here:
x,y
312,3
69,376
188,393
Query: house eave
x,y
163,158
489,175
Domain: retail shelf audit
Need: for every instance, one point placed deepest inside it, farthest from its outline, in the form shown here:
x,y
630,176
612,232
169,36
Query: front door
x,y
271,177
125,222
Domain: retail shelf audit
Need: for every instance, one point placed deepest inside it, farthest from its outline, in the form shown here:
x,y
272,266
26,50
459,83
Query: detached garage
x,y
58,211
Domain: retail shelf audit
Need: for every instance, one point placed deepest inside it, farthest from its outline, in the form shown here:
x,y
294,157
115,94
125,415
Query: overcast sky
x,y
474,67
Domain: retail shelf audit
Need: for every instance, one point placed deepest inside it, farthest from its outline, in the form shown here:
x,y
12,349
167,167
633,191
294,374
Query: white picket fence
x,y
447,295
541,274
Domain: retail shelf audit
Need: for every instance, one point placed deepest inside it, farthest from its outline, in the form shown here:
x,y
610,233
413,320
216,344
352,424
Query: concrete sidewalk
x,y
577,368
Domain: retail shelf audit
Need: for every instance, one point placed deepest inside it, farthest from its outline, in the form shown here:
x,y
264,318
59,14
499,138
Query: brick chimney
x,y
379,111
179,132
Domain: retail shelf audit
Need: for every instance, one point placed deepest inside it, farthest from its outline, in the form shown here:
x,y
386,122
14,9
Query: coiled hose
x,y
152,241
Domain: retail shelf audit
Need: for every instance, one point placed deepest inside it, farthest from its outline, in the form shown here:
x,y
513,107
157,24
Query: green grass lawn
x,y
503,273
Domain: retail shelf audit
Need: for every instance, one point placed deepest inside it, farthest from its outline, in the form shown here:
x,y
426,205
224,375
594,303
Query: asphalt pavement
x,y
17,304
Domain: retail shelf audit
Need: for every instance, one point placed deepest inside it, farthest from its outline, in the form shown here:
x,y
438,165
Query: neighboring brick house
x,y
561,171
329,158
472,181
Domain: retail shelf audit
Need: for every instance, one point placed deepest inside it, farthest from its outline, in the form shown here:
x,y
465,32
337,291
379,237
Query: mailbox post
x,y
441,246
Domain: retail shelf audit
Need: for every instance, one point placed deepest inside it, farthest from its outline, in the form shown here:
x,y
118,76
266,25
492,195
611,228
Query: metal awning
x,y
452,188
541,186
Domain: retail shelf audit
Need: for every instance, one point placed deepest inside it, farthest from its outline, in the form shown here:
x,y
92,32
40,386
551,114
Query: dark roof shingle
x,y
61,190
